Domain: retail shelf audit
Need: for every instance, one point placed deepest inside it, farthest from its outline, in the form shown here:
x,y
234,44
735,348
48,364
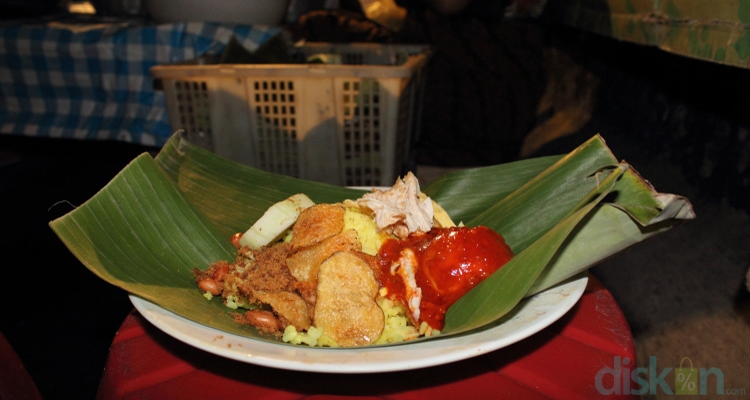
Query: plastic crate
x,y
347,124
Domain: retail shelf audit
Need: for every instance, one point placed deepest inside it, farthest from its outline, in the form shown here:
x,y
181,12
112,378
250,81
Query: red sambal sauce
x,y
451,261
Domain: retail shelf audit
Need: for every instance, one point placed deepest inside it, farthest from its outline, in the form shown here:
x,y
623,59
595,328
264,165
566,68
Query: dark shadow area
x,y
742,303
59,317
653,105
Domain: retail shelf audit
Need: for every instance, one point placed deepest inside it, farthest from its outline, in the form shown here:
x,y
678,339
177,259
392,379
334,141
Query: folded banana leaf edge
x,y
162,216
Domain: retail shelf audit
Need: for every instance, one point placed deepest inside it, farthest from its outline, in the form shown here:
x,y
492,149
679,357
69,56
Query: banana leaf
x,y
161,217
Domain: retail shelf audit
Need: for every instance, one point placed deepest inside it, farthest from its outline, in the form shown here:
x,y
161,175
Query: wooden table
x,y
561,361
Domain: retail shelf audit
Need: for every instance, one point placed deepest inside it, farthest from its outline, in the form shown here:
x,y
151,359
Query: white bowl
x,y
249,12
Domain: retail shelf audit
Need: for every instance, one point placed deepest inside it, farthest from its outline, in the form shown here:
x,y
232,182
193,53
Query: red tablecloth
x,y
561,361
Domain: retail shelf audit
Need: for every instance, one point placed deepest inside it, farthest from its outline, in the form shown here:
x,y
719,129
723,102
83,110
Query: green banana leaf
x,y
161,217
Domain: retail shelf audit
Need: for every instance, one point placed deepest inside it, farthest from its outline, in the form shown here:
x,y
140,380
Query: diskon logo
x,y
686,379
640,381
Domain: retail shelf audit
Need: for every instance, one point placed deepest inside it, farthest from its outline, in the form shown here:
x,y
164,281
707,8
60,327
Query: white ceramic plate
x,y
529,317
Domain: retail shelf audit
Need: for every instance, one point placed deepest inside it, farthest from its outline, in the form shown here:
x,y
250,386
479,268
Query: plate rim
x,y
305,358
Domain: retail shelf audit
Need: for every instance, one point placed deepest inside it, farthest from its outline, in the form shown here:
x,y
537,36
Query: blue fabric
x,y
93,81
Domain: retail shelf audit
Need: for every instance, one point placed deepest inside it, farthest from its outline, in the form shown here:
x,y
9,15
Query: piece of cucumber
x,y
275,221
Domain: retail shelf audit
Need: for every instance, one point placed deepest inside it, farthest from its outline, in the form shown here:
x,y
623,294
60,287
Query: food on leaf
x,y
555,213
379,269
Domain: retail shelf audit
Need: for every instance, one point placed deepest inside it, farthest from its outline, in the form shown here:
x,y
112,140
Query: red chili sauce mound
x,y
451,261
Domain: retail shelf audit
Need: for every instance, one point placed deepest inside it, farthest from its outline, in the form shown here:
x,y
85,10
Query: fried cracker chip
x,y
346,309
317,223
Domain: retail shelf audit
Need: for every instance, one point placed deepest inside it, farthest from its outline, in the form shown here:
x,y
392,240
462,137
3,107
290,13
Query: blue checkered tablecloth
x,y
92,81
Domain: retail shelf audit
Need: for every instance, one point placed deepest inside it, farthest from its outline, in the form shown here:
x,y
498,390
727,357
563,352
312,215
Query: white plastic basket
x,y
349,124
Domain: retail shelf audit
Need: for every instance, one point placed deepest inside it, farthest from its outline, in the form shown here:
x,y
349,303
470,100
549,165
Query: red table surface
x,y
561,361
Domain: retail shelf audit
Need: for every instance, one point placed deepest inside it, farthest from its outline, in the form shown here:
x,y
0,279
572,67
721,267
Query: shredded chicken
x,y
400,209
406,268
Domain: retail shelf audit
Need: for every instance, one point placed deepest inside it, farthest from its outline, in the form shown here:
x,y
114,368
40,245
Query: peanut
x,y
221,272
210,286
263,320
